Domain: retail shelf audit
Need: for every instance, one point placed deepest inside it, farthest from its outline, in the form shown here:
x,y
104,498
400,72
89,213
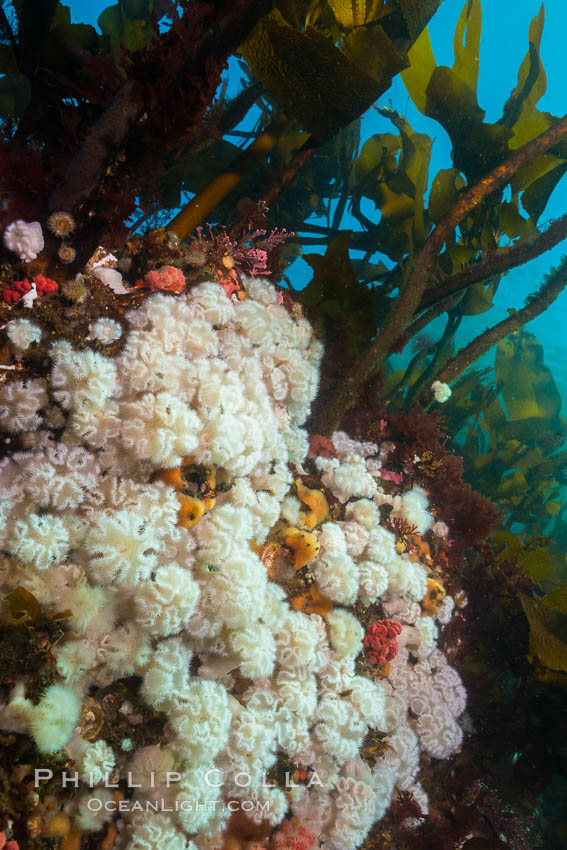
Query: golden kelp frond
x,y
417,14
22,606
374,54
527,121
315,82
525,382
396,183
445,189
466,44
478,299
127,27
422,65
335,291
536,563
531,85
356,13
556,599
513,433
23,609
548,633
449,95
533,560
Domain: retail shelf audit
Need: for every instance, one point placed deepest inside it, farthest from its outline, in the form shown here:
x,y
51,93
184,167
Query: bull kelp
x,y
282,559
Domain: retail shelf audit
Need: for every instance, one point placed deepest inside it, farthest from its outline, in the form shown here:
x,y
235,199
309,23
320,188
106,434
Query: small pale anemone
x,y
111,278
419,639
54,718
24,238
105,330
22,333
66,253
441,392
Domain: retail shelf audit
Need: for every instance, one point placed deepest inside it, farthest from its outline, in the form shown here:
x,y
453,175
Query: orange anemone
x,y
312,602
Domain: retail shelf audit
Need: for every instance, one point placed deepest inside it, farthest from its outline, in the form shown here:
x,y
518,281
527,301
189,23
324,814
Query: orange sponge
x,y
315,501
304,545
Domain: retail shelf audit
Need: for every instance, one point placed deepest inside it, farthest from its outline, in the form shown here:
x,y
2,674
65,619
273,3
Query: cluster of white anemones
x,y
86,528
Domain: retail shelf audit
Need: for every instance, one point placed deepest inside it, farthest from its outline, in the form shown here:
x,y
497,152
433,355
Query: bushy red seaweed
x,y
419,449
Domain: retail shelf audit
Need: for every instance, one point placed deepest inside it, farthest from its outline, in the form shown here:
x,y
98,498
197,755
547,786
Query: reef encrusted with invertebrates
x,y
205,582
